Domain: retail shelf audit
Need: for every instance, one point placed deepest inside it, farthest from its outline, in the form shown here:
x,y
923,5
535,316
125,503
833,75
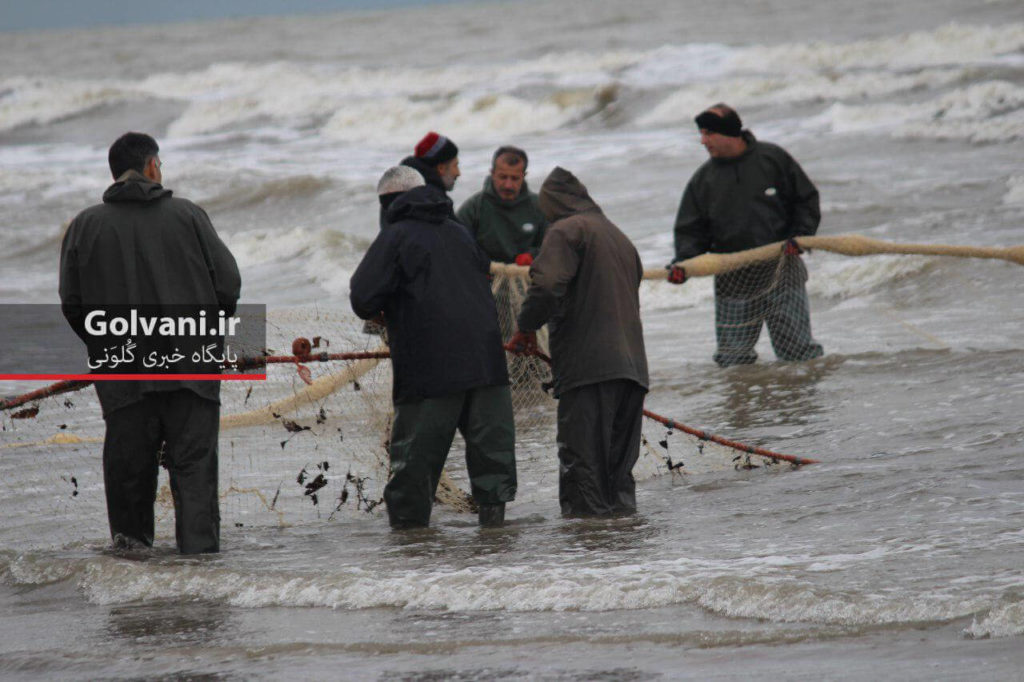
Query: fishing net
x,y
310,444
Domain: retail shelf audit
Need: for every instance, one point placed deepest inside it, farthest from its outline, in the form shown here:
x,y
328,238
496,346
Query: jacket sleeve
x,y
227,281
70,289
468,214
692,233
377,276
805,211
555,267
542,229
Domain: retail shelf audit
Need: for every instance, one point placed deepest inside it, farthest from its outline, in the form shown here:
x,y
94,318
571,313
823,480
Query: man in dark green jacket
x,y
748,194
585,286
144,248
506,221
505,217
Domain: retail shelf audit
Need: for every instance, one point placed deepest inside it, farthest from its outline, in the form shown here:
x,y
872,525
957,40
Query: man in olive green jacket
x,y
505,217
585,285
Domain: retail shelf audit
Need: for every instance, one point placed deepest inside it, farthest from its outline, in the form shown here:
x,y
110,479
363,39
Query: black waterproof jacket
x,y
430,278
757,198
585,285
143,247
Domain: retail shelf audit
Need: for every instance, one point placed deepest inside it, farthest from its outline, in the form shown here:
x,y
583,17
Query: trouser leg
x,y
596,450
737,327
421,436
627,422
488,427
789,325
191,429
130,468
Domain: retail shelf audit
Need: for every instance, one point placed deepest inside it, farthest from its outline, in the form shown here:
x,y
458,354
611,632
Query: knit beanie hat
x,y
435,149
729,125
396,181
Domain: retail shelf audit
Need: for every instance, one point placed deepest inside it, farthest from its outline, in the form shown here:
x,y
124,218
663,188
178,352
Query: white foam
x,y
1015,191
984,112
952,44
475,118
1002,621
41,101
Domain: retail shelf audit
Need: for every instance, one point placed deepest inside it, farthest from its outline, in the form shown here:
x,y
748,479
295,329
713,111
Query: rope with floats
x,y
844,244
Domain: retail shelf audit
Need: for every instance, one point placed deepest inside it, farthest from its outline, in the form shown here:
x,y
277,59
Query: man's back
x,y
142,246
430,279
586,284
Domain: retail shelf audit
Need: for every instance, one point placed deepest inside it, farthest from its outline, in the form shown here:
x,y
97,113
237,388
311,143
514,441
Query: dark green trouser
x,y
186,426
421,436
598,444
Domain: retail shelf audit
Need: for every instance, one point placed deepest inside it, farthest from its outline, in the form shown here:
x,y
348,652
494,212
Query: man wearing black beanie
x,y
748,194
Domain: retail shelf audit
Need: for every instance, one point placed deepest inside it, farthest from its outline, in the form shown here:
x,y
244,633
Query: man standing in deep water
x,y
142,246
748,194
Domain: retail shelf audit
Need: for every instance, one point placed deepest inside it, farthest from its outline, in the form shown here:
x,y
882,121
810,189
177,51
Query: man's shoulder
x,y
772,150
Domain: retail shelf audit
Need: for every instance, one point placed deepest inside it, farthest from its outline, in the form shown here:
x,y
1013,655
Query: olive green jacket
x,y
504,229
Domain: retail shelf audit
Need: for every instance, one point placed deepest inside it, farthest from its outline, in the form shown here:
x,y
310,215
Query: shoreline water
x,y
898,556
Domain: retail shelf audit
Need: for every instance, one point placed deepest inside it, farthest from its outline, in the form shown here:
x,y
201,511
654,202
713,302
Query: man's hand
x,y
522,343
676,275
792,248
524,259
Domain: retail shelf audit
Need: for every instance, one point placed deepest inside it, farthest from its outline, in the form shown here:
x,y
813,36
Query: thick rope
x,y
847,245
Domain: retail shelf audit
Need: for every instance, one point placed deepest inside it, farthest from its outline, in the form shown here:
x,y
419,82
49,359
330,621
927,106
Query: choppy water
x,y
899,557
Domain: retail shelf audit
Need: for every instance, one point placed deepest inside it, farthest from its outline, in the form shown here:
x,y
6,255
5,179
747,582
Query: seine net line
x,y
310,444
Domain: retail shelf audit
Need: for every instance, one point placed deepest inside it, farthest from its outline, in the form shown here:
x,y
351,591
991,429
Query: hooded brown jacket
x,y
585,285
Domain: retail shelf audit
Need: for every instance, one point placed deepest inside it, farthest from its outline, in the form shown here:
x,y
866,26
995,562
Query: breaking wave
x,y
552,90
755,587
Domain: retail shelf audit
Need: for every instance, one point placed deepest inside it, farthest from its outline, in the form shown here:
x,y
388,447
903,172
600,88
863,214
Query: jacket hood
x,y
423,203
134,186
562,195
492,194
429,173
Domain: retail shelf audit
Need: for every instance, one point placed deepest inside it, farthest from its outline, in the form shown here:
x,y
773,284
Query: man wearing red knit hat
x,y
437,159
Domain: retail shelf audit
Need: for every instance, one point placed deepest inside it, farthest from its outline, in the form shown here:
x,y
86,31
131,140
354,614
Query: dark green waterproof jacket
x,y
143,247
757,198
504,229
585,285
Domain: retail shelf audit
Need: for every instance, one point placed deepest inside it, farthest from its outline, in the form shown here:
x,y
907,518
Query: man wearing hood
x,y
437,159
505,217
430,278
585,286
748,194
143,247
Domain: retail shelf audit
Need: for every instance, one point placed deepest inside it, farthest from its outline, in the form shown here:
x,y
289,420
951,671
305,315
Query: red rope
x,y
260,361
46,391
704,435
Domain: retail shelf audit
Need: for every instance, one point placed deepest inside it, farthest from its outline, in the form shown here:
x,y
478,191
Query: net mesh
x,y
310,444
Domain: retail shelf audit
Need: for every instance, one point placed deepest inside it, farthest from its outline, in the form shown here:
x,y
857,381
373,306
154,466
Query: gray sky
x,y
21,15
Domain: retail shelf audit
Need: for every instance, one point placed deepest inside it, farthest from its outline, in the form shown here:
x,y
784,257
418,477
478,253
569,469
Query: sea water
x,y
898,557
